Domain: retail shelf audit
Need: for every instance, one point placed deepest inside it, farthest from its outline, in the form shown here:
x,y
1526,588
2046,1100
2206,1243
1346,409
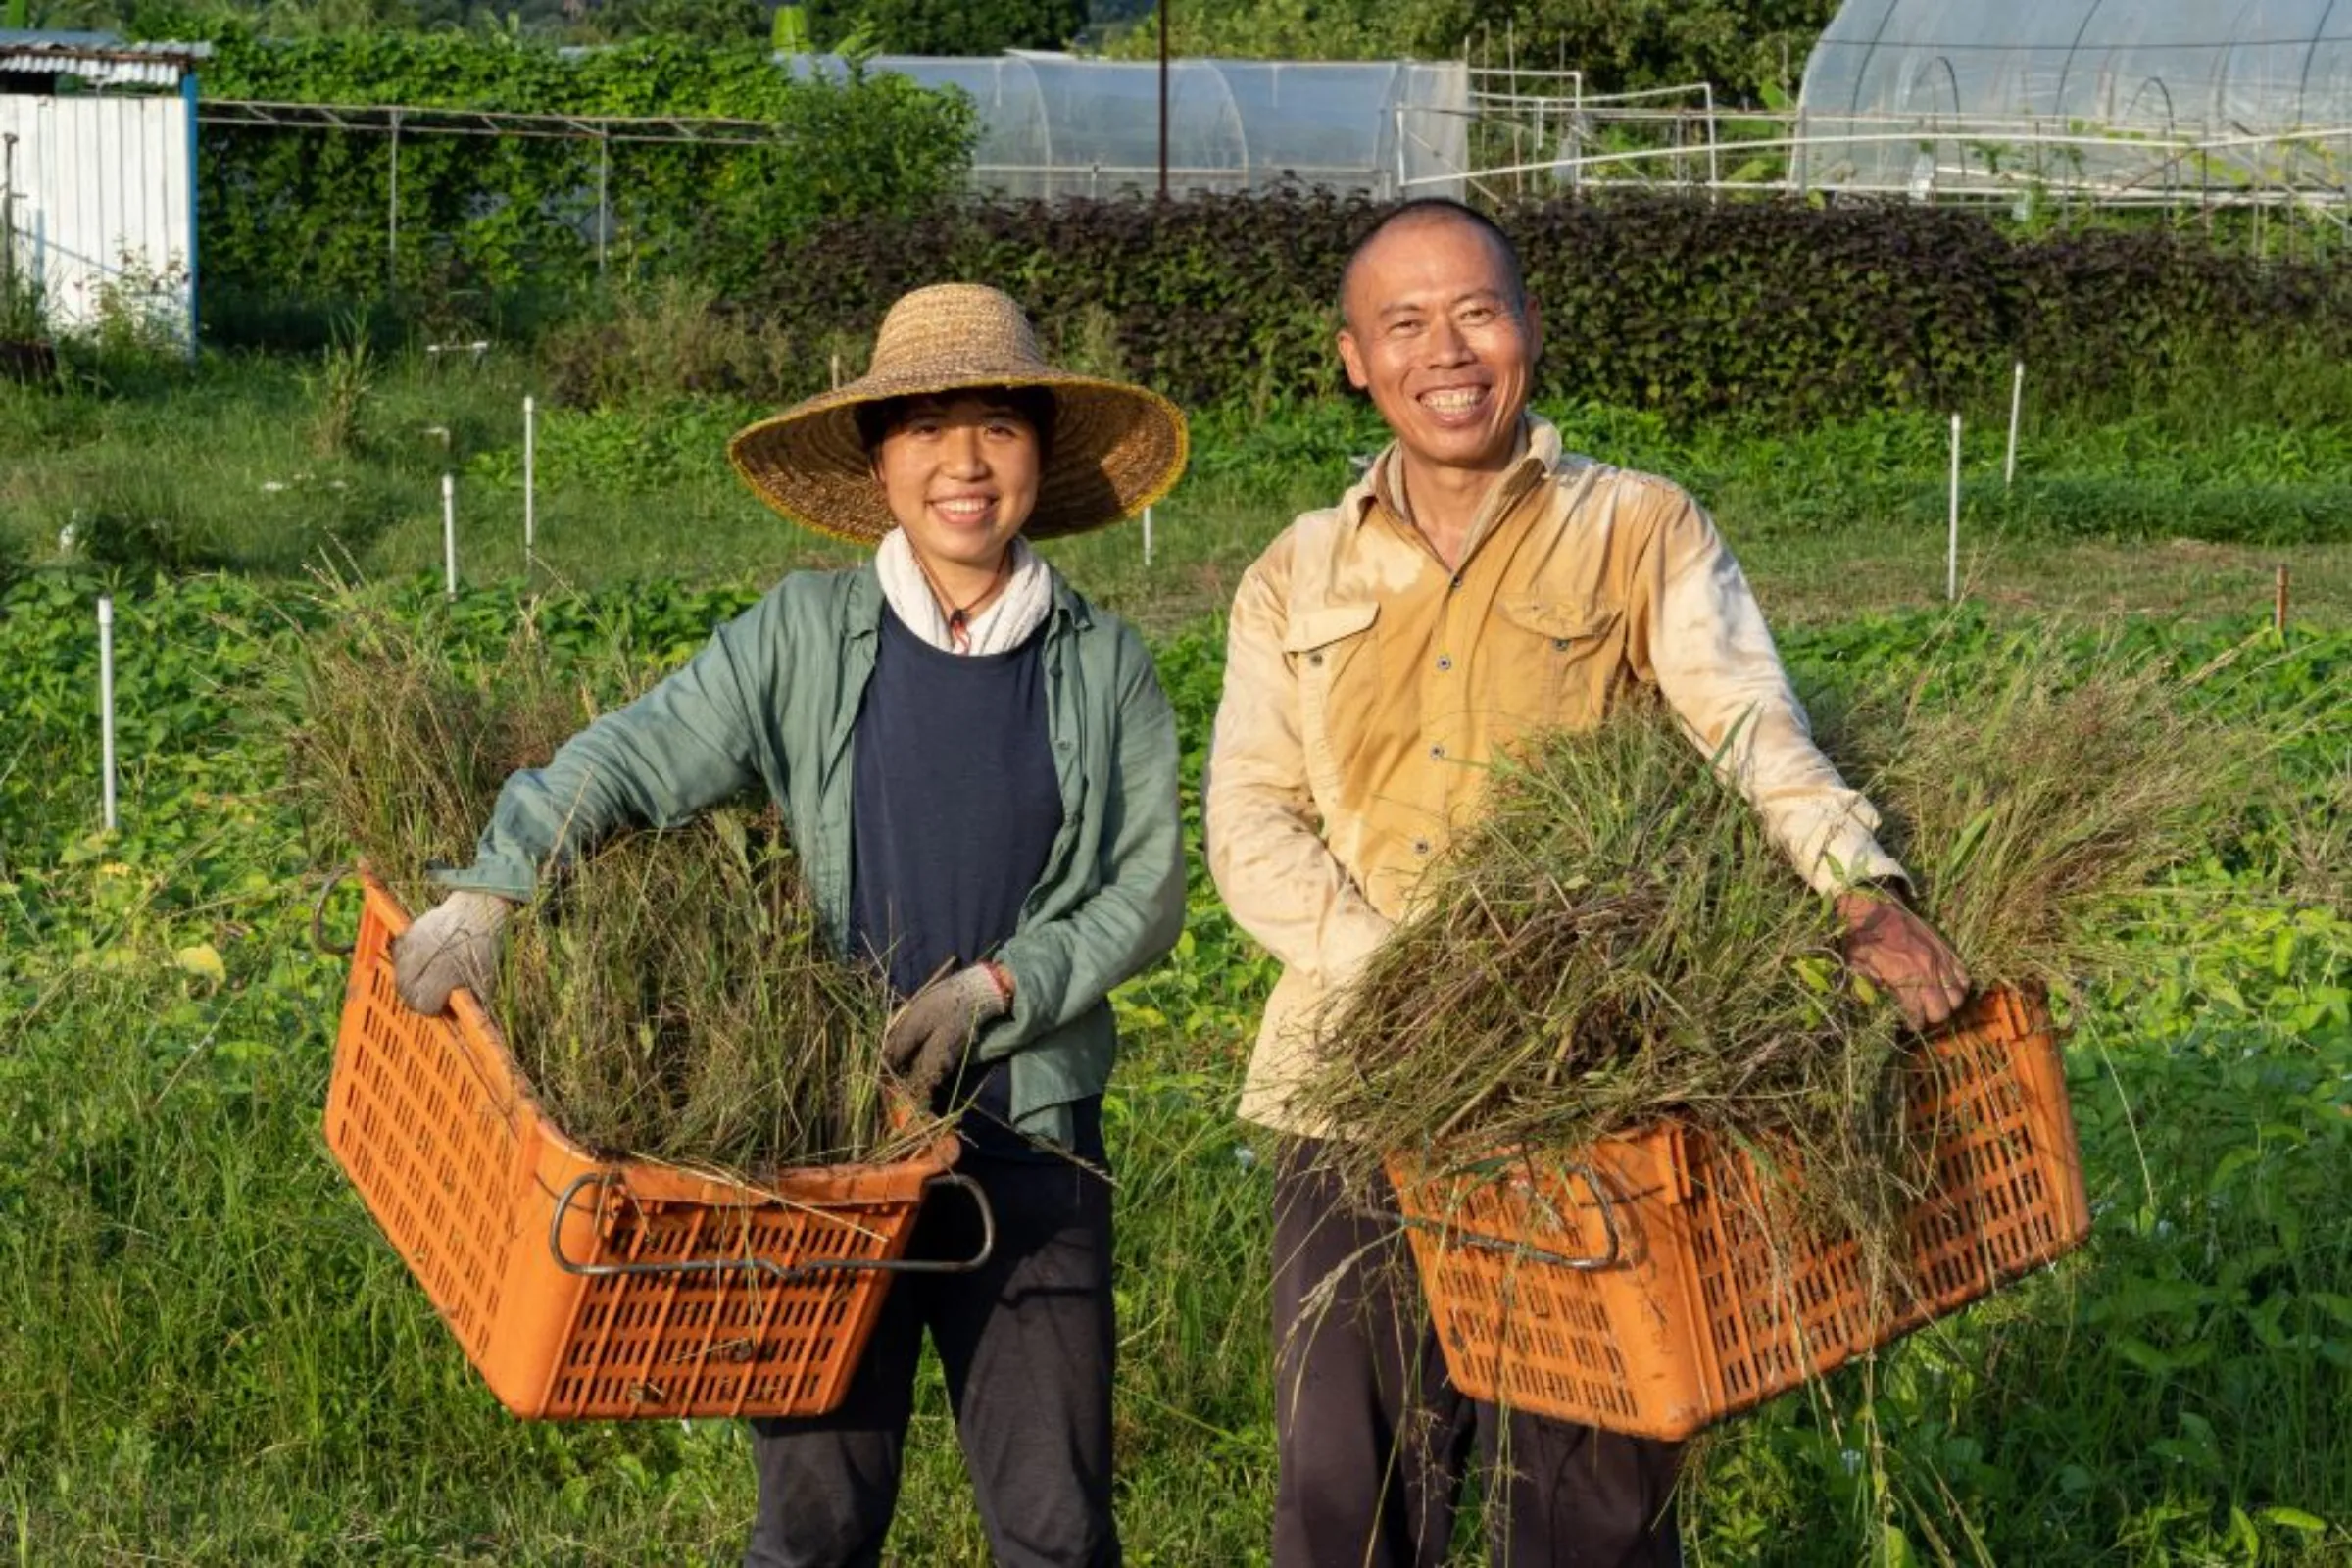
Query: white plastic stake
x,y
106,700
1146,536
449,529
530,498
2017,403
1951,560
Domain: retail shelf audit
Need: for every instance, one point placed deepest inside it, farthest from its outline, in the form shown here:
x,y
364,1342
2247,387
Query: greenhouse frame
x,y
2167,101
1055,125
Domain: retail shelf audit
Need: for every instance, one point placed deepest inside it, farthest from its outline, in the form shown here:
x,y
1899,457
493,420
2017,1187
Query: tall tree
x,y
948,27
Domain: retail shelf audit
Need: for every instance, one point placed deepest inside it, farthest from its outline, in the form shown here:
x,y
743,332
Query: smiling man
x,y
1478,585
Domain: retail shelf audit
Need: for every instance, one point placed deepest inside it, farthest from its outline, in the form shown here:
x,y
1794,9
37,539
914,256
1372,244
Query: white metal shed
x,y
99,184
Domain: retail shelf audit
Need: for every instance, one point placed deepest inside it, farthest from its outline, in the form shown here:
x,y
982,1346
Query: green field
x,y
207,1354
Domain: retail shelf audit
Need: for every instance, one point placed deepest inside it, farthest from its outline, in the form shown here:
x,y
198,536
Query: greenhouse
x,y
1057,125
2156,100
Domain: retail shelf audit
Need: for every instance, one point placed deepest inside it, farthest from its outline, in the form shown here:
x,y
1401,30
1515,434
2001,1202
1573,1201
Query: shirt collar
x,y
1539,453
865,601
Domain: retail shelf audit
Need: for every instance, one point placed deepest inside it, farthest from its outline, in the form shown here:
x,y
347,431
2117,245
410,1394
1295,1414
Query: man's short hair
x,y
1034,404
1439,208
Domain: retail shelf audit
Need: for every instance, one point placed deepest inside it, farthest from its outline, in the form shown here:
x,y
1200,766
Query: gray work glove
x,y
453,943
926,1039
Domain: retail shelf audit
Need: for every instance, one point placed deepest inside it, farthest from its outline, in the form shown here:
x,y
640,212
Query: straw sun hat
x,y
1114,449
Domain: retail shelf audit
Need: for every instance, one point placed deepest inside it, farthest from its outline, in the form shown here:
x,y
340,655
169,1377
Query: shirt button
x,y
1314,658
1445,661
1559,645
1420,846
1437,751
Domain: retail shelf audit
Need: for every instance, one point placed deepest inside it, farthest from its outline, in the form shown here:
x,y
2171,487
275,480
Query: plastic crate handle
x,y
778,1273
1612,1252
337,949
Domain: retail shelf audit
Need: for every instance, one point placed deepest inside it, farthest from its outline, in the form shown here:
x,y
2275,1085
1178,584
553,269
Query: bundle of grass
x,y
1617,941
399,746
669,994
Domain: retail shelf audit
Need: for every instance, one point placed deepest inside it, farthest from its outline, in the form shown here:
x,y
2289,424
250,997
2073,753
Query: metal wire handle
x,y
319,918
778,1273
1611,1255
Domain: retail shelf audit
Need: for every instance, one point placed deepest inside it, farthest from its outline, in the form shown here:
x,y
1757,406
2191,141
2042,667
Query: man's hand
x,y
453,943
1886,943
926,1039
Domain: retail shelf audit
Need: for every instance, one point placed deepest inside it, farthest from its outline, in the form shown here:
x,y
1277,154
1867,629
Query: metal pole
x,y
1163,100
106,702
449,530
2017,403
1714,162
392,255
531,488
1148,537
1510,59
1575,133
604,181
1951,560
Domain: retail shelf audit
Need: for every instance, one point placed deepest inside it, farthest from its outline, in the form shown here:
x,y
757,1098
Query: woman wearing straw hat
x,y
979,773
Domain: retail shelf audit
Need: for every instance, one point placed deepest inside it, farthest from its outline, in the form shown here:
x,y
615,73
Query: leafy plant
x,y
1770,315
339,388
948,27
136,310
23,303
303,214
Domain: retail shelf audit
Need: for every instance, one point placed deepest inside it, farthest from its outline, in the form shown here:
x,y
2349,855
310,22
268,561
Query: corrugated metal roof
x,y
99,57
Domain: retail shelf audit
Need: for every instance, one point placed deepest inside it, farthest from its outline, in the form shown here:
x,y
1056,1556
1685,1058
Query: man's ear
x,y
1353,357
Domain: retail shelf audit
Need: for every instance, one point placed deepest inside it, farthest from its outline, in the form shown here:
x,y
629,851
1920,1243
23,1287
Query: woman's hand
x,y
453,943
926,1039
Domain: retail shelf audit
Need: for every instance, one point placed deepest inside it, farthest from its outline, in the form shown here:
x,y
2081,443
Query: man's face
x,y
1434,335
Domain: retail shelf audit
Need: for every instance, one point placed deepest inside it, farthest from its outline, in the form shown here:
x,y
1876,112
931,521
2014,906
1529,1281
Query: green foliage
x,y
24,305
1748,49
288,215
947,27
1281,30
705,21
1742,46
205,1336
339,389
1770,315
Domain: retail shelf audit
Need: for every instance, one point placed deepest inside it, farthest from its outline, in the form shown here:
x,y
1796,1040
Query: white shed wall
x,y
104,200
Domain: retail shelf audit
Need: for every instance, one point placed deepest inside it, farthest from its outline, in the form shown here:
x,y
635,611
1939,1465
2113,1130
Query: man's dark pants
x,y
1374,1438
1026,1343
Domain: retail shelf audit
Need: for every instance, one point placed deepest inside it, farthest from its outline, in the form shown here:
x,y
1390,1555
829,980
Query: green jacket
x,y
773,701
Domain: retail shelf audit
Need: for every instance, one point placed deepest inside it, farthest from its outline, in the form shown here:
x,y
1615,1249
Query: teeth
x,y
1454,402
963,509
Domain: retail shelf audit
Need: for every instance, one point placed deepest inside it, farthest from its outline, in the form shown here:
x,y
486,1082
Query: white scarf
x,y
999,629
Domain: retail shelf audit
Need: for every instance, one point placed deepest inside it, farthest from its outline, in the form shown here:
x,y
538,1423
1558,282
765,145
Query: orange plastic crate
x,y
590,1289
1630,1285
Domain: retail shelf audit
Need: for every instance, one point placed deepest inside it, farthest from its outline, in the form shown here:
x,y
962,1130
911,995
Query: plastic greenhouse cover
x,y
2191,68
1059,123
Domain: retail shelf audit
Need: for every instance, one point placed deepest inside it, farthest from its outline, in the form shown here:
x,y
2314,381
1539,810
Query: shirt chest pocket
x,y
1332,656
1555,662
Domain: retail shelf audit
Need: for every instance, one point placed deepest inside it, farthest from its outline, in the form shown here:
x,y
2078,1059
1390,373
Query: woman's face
x,y
961,475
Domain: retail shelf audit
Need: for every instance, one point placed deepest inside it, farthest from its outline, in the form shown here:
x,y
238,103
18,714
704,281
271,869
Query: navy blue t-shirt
x,y
955,809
